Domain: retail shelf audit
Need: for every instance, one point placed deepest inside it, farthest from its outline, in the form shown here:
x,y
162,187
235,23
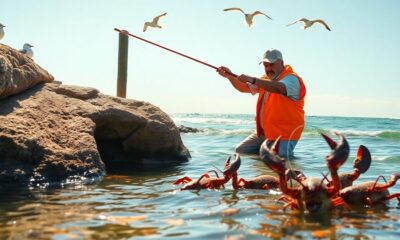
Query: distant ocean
x,y
380,135
142,203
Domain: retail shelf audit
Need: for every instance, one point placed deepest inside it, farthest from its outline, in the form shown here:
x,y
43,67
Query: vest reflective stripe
x,y
282,116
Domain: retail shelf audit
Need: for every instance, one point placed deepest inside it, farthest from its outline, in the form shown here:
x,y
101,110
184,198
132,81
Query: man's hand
x,y
224,71
253,88
233,79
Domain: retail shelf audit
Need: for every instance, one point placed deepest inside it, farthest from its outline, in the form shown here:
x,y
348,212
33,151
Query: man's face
x,y
273,69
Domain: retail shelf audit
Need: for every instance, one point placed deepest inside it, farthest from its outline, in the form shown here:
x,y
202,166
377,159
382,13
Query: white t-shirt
x,y
291,83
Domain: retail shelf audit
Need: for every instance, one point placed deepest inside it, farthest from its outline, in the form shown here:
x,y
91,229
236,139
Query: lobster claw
x,y
229,168
394,177
227,162
277,164
362,161
340,151
270,157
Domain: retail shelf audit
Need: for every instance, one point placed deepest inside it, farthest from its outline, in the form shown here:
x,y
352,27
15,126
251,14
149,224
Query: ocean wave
x,y
196,120
386,158
388,134
222,132
221,124
213,131
310,132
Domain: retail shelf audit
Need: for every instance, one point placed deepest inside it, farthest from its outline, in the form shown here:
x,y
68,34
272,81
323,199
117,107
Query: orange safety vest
x,y
282,116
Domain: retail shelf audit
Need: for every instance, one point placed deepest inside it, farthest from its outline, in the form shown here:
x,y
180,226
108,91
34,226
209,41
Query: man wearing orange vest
x,y
280,104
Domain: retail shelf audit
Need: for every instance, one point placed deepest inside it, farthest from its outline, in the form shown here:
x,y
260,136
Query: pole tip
x,y
121,31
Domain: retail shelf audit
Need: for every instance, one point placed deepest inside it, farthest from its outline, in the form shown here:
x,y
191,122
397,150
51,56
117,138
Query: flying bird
x,y
248,17
1,31
309,23
153,23
27,50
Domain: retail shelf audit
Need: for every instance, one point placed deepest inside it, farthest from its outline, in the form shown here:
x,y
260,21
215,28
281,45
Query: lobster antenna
x,y
287,147
324,177
300,183
291,179
217,168
215,172
288,156
377,179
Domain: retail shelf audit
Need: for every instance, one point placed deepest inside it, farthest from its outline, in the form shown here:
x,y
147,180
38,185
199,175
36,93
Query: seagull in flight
x,y
153,23
248,16
1,31
309,23
27,50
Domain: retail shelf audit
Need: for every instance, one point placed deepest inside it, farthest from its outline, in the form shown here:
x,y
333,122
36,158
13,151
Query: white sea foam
x,y
231,121
380,158
353,132
384,133
212,131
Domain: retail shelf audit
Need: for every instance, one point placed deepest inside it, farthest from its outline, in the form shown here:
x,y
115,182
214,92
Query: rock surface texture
x,y
19,72
52,133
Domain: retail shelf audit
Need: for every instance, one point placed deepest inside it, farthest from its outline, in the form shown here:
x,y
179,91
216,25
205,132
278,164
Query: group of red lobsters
x,y
307,194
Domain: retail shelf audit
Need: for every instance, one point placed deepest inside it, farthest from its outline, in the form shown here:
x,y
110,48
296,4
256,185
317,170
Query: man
x,y
280,104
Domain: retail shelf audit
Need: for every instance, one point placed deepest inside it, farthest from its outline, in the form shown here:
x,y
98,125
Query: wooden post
x,y
122,65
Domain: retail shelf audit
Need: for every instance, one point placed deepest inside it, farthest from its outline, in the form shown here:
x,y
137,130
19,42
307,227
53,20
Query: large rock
x,y
18,72
54,133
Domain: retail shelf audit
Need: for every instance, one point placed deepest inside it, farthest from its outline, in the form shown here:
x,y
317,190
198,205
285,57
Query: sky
x,y
350,71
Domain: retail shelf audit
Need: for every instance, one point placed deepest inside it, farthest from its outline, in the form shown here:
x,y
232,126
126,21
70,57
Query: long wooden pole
x,y
168,49
122,65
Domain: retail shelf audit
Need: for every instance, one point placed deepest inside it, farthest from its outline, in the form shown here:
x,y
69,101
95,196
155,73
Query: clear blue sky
x,y
351,71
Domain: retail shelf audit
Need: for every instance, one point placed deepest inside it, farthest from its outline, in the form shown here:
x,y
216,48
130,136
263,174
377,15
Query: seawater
x,y
143,203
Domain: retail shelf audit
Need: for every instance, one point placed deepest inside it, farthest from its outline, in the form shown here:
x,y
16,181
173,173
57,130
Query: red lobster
x,y
371,192
361,164
205,181
313,195
368,192
261,182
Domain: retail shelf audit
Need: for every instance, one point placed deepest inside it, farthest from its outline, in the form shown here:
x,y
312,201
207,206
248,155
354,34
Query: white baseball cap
x,y
272,56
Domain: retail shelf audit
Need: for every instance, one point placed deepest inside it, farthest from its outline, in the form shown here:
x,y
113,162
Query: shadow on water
x,y
145,167
118,161
10,197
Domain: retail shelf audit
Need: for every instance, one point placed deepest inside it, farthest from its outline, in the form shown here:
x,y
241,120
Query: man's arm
x,y
267,85
240,86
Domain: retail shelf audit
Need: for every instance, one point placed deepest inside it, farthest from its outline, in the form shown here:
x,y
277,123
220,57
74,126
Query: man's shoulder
x,y
290,79
292,85
292,76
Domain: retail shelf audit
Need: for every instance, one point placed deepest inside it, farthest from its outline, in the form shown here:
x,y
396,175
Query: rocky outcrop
x,y
56,133
185,129
18,72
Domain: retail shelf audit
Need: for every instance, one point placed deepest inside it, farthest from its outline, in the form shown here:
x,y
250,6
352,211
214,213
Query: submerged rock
x,y
54,133
185,129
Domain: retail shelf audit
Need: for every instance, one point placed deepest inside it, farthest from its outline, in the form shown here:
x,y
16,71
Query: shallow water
x,y
143,203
